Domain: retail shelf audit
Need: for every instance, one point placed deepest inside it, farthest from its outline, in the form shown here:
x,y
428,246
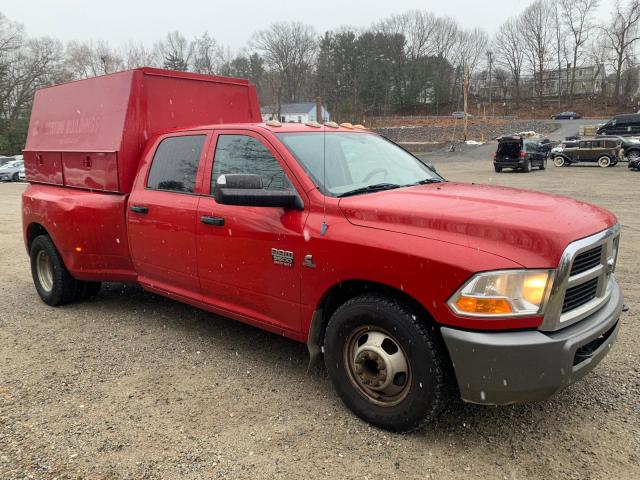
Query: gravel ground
x,y
132,385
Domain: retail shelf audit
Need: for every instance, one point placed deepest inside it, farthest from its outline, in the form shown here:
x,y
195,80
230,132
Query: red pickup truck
x,y
327,234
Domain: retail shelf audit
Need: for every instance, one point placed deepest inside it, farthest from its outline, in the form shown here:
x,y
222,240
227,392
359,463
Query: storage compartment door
x,y
43,167
93,171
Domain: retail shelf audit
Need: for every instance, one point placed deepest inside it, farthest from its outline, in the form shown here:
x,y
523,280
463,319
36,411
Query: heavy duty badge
x,y
282,257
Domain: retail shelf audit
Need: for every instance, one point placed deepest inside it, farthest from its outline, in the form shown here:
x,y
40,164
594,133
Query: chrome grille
x,y
582,283
587,260
579,295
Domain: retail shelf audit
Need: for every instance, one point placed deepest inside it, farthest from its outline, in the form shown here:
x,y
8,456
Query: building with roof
x,y
293,112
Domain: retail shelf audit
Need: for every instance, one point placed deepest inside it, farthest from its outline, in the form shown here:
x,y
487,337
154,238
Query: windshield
x,y
355,162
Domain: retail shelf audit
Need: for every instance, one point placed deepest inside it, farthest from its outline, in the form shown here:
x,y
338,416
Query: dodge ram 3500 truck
x,y
326,234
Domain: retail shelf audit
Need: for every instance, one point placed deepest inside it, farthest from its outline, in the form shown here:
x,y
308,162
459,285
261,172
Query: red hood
x,y
530,228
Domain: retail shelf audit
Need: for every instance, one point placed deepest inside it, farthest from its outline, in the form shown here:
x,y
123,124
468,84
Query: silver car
x,y
10,172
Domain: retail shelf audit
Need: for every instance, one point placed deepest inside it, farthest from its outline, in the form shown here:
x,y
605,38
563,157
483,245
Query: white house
x,y
293,112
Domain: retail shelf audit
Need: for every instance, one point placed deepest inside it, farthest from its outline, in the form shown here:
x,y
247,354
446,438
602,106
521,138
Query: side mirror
x,y
247,190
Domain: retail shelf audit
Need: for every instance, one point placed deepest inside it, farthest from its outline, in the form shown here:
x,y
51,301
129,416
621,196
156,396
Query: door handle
x,y
139,209
215,221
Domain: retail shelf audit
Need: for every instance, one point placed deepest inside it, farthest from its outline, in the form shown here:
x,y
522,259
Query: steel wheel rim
x,y
377,366
44,269
558,161
604,162
634,156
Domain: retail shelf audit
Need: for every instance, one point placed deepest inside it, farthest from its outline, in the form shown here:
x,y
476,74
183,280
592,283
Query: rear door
x,y
162,213
249,258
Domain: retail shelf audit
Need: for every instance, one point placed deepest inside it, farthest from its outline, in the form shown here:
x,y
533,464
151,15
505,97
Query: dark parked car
x,y
566,116
520,154
631,149
626,124
605,151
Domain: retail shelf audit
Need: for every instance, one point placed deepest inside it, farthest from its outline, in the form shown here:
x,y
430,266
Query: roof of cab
x,y
284,128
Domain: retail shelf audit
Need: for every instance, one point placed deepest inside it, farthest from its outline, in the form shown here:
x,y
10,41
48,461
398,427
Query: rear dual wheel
x,y
386,365
52,280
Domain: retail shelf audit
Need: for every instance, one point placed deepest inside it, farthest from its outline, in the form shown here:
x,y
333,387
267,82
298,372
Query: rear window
x,y
175,164
509,147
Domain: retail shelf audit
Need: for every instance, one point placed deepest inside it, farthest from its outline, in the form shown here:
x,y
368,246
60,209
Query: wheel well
x,y
344,291
34,230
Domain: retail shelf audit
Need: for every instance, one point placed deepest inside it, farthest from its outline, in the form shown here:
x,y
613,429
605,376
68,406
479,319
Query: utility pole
x,y
465,95
490,55
319,116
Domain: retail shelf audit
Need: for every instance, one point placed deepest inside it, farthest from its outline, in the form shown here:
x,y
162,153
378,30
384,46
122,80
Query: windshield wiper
x,y
376,187
427,181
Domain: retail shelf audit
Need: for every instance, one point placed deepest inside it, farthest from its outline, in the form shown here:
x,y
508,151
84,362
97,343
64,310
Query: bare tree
x,y
538,33
577,15
174,51
289,49
88,59
35,64
136,55
621,35
510,52
207,55
560,45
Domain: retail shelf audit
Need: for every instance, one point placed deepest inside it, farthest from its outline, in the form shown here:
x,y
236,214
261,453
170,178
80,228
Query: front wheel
x,y
543,164
604,161
559,161
387,367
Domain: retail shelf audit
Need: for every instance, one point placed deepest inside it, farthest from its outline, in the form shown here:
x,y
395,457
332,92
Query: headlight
x,y
505,293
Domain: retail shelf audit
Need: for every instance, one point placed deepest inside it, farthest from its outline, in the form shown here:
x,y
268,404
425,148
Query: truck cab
x,y
327,234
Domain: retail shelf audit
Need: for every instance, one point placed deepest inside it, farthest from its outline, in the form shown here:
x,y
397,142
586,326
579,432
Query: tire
x,y
373,330
559,161
51,278
633,155
497,169
527,166
604,161
15,177
543,164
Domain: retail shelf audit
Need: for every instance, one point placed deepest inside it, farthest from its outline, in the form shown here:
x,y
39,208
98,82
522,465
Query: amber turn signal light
x,y
494,306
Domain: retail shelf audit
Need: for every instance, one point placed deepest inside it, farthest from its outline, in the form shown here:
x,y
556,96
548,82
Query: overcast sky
x,y
232,22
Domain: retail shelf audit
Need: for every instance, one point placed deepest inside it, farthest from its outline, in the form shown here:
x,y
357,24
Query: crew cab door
x,y
162,214
240,248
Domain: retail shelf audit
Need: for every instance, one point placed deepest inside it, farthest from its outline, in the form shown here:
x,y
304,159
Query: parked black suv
x,y
626,124
520,154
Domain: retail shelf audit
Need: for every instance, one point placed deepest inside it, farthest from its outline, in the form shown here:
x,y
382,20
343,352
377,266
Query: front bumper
x,y
499,368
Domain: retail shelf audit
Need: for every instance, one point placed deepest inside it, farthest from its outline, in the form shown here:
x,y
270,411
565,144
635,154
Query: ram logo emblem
x,y
282,257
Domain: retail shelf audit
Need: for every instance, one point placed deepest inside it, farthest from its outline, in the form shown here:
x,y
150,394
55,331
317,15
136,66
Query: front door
x,y
162,213
249,257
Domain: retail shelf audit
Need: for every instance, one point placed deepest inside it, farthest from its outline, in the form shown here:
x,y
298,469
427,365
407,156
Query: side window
x,y
175,164
244,154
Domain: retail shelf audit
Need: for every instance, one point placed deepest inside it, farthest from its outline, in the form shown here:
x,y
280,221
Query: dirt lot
x,y
136,386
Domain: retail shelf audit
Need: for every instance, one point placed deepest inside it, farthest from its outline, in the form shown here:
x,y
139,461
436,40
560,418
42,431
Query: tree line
x,y
413,62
